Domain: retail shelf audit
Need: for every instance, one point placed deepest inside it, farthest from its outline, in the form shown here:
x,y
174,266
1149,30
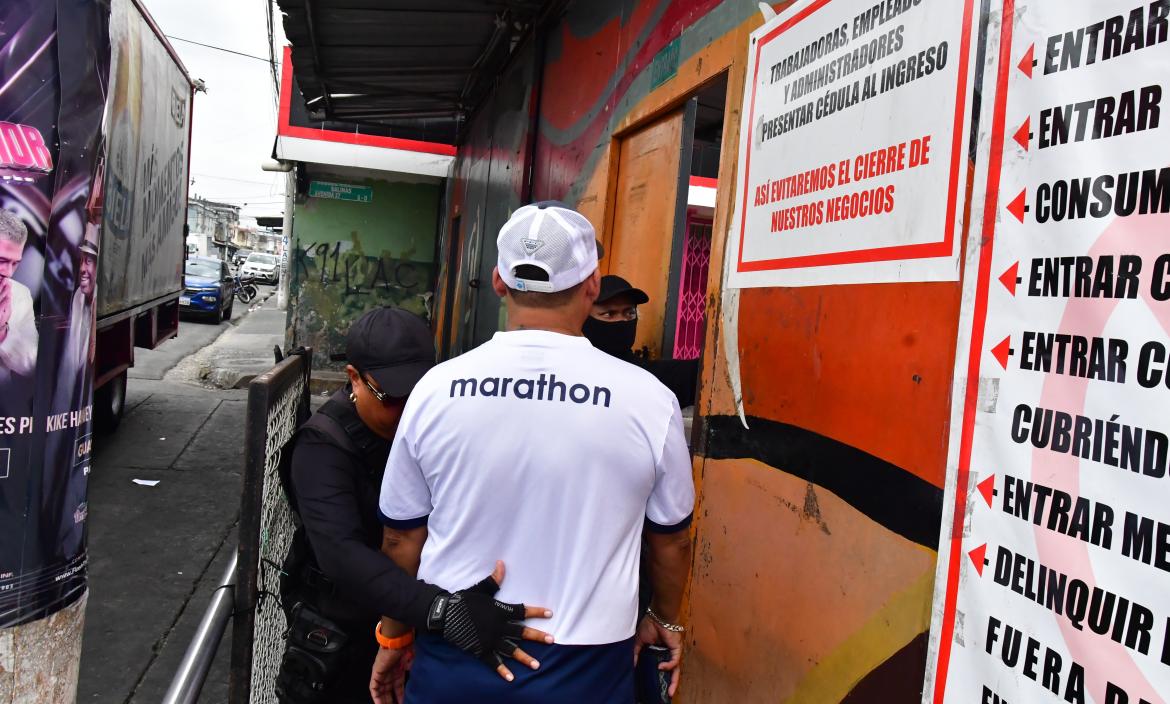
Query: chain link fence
x,y
278,402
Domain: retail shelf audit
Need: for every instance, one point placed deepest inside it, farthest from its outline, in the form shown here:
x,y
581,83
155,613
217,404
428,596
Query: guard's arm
x,y
404,548
327,498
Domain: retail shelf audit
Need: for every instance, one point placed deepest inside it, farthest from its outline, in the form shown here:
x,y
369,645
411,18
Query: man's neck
x,y
549,320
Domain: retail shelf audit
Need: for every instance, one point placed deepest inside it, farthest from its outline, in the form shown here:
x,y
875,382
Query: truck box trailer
x,y
142,202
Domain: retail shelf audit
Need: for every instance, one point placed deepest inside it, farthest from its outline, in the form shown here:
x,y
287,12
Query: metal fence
x,y
278,402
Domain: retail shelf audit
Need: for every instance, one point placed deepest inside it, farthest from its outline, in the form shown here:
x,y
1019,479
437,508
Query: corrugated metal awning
x,y
418,67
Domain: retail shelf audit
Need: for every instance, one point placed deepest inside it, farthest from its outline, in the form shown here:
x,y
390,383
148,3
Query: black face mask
x,y
615,338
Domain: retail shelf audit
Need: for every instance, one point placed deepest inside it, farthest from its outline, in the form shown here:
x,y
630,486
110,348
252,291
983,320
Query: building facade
x,y
819,498
212,228
835,484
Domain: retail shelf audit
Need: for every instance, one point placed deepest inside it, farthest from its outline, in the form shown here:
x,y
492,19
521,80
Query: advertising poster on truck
x,y
146,173
54,65
1054,569
853,150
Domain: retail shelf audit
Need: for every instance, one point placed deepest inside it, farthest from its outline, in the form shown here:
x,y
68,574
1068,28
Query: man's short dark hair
x,y
538,299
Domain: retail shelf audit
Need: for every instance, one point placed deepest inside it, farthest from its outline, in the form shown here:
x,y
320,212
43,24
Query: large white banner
x,y
1054,579
853,146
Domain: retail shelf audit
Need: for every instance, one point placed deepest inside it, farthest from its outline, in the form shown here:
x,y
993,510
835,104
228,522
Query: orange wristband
x,y
393,643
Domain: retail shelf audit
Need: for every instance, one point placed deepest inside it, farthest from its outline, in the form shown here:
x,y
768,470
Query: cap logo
x,y
531,246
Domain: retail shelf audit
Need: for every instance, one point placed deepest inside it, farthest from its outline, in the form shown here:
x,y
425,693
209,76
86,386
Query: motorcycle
x,y
244,289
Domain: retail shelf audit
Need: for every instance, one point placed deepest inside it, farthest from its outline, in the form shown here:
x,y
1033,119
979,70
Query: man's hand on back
x,y
471,620
474,621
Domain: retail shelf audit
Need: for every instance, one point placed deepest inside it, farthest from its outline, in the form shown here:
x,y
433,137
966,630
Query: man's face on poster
x,y
10,256
88,271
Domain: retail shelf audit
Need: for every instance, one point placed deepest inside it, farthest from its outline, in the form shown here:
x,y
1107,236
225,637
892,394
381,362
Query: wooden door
x,y
653,163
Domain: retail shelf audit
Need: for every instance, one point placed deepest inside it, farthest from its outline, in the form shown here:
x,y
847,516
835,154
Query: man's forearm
x,y
404,547
669,558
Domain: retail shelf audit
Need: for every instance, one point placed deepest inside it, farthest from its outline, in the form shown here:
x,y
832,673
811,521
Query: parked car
x,y
208,289
262,267
240,256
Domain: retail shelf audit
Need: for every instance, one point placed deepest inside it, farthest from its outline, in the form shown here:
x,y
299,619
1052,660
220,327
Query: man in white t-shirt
x,y
555,457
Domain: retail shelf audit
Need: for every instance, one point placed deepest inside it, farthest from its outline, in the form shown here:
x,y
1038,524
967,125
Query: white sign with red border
x,y
853,145
1054,562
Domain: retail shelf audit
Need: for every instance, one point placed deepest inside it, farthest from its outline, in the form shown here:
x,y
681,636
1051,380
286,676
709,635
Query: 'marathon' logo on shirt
x,y
541,389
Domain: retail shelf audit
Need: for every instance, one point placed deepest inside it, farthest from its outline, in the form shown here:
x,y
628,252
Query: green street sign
x,y
340,191
664,66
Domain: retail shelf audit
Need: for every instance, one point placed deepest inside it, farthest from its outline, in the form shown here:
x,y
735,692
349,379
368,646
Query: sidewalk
x,y
240,353
157,552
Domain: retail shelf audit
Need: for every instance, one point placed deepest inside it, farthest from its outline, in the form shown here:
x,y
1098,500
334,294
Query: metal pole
x,y
286,233
192,672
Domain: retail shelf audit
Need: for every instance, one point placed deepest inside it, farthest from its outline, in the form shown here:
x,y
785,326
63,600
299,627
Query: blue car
x,y
207,289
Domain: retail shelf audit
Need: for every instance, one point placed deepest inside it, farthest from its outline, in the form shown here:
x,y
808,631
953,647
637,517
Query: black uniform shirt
x,y
337,497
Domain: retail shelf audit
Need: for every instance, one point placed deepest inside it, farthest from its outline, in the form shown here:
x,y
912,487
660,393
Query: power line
x,y
218,48
272,53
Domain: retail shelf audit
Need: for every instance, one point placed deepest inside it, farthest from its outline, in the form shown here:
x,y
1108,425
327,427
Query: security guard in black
x,y
335,567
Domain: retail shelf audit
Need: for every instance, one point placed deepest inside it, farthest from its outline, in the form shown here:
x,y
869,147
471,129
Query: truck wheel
x,y
108,404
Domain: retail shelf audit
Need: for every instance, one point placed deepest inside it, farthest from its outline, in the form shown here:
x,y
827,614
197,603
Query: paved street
x,y
157,552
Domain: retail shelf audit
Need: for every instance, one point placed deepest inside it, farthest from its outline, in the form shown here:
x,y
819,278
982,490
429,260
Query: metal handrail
x,y
192,672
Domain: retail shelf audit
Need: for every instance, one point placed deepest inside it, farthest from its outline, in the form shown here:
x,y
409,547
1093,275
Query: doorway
x,y
659,234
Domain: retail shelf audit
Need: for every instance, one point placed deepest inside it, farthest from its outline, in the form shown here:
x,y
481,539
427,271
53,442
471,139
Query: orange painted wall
x,y
868,365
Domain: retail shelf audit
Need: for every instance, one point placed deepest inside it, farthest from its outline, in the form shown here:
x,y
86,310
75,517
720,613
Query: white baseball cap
x,y
551,237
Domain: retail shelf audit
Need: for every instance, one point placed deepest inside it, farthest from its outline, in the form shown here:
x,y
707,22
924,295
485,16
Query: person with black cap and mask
x,y
612,327
337,583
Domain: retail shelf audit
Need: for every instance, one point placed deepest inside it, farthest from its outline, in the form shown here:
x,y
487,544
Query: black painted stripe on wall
x,y
887,494
898,680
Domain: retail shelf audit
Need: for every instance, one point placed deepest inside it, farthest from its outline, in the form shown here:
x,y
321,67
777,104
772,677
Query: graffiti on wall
x,y
355,273
334,282
348,257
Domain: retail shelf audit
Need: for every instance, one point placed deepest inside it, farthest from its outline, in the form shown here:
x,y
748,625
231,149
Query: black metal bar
x,y
540,45
678,242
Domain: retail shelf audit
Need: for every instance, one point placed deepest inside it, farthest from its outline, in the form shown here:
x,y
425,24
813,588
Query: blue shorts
x,y
572,674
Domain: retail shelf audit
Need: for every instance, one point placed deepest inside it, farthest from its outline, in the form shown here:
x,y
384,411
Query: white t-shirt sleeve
x,y
405,499
672,501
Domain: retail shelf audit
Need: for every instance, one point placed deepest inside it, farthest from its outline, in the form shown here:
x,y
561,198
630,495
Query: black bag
x,y
313,657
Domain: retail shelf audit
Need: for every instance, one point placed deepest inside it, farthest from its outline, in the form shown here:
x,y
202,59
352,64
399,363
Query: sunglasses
x,y
382,396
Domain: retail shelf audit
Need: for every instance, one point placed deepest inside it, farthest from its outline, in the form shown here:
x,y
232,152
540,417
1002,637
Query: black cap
x,y
612,286
395,347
